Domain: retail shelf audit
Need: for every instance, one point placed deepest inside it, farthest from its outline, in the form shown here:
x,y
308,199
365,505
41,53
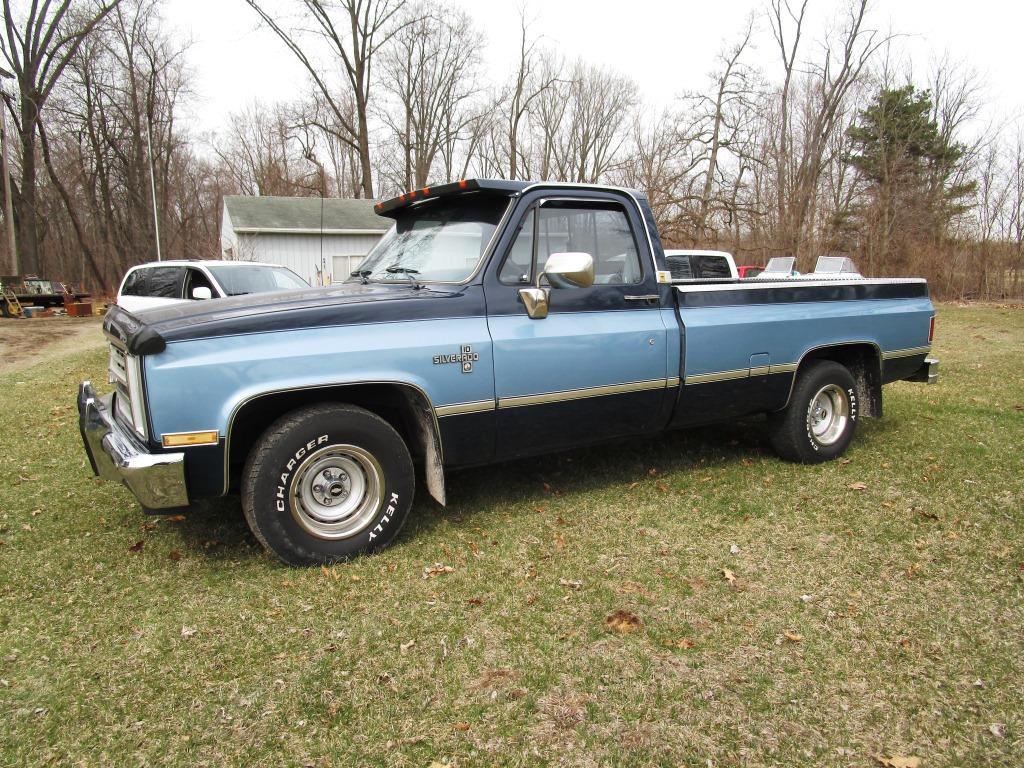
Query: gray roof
x,y
303,214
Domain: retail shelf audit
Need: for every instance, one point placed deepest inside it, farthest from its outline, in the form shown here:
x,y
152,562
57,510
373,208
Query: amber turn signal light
x,y
180,439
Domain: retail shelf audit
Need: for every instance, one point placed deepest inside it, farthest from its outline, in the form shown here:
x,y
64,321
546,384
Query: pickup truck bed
x,y
480,331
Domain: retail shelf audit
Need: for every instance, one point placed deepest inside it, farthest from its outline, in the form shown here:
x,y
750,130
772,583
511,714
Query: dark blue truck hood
x,y
148,332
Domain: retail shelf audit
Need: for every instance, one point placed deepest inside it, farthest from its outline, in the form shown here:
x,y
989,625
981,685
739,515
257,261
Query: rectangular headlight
x,y
136,395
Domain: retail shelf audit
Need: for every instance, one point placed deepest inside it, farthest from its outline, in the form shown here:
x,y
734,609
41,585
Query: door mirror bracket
x,y
572,269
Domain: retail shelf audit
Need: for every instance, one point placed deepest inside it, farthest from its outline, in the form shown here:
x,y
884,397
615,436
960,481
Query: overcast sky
x,y
666,47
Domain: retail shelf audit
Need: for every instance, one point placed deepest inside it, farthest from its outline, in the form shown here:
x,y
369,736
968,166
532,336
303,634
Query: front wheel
x,y
327,483
819,422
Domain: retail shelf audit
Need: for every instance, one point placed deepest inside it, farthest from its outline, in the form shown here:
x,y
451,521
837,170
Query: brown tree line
x,y
791,158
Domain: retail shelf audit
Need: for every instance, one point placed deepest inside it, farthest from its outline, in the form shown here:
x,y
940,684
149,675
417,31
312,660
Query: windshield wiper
x,y
362,274
397,269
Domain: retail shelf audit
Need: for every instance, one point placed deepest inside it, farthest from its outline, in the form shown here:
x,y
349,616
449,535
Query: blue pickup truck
x,y
497,319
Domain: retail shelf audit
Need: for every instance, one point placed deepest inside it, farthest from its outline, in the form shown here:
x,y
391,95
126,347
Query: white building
x,y
321,240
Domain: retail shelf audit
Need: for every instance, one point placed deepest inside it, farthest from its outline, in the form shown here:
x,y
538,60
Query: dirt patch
x,y
24,343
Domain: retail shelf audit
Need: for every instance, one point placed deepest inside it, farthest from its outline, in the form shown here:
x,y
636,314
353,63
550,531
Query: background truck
x,y
700,265
497,319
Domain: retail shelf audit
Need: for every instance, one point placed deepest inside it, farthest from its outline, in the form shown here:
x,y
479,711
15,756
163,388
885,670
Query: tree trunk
x,y
26,218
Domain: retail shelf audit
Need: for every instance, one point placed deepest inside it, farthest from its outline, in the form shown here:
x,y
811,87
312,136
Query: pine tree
x,y
909,168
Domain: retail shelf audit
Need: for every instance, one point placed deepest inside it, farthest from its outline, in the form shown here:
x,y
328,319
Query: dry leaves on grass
x,y
729,576
898,761
571,583
858,486
793,637
494,678
564,711
404,648
683,643
622,622
437,569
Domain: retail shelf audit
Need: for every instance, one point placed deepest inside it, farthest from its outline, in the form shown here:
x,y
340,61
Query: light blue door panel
x,y
572,351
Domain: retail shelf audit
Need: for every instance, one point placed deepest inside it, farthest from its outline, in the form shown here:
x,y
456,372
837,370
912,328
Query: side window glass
x,y
135,285
517,269
601,229
616,260
165,282
196,279
713,266
679,266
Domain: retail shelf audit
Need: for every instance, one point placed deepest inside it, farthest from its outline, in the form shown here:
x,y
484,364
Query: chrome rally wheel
x,y
336,491
828,414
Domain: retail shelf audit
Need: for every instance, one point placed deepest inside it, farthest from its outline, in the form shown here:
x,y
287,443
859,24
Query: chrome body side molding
x,y
459,409
580,394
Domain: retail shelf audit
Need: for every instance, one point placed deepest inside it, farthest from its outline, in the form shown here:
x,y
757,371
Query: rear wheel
x,y
820,420
327,483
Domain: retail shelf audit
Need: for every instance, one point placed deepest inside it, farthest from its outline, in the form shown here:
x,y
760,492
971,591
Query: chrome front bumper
x,y
156,479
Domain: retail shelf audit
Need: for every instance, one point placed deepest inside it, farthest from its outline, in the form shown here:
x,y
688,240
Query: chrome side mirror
x,y
572,269
202,292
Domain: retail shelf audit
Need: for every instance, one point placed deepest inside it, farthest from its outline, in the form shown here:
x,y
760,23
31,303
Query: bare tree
x,y
354,32
37,48
529,82
582,123
733,87
825,86
116,124
431,72
265,150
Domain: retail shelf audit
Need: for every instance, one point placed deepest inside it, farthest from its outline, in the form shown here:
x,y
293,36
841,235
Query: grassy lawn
x,y
883,619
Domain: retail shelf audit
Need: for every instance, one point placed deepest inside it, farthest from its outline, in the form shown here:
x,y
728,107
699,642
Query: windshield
x,y
255,278
440,241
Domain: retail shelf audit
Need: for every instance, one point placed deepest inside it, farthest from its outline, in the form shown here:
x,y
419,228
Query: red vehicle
x,y
749,271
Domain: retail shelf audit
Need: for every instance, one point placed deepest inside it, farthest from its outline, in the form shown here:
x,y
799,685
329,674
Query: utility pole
x,y
5,169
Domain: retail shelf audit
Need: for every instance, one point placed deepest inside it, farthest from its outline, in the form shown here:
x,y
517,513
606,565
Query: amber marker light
x,y
182,439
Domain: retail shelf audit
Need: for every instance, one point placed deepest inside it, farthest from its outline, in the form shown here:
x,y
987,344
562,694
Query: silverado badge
x,y
466,356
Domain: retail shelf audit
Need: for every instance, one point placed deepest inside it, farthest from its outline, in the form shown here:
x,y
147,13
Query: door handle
x,y
651,299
